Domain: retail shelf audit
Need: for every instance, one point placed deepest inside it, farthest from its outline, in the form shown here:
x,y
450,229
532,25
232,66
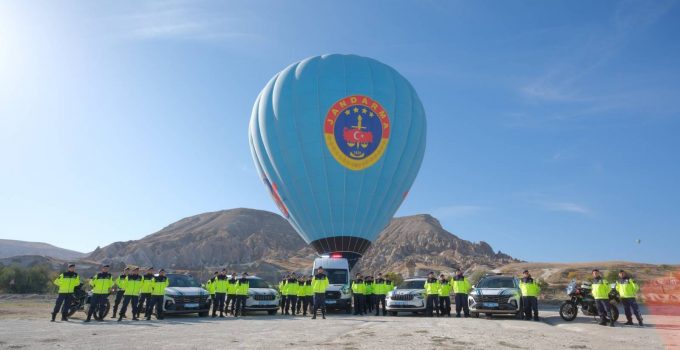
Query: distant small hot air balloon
x,y
638,241
338,140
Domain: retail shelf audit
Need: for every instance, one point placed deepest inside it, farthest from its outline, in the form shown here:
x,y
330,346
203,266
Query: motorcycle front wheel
x,y
568,311
615,312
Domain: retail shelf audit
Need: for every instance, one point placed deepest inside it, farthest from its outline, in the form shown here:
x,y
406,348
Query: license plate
x,y
191,305
330,301
398,303
490,304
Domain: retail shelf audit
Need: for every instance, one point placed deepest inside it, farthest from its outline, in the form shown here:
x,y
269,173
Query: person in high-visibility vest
x,y
158,286
309,296
283,292
242,287
530,291
445,288
291,297
67,282
300,294
319,286
101,285
431,295
368,304
211,288
380,286
461,287
232,283
145,294
600,289
120,290
221,285
628,289
133,286
358,291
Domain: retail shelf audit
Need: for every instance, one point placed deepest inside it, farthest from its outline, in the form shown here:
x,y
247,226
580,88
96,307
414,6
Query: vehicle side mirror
x,y
474,286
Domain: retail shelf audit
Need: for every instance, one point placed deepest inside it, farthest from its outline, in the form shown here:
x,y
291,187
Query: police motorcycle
x,y
582,297
82,302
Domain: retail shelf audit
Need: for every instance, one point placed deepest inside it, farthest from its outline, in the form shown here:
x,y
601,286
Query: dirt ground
x,y
24,324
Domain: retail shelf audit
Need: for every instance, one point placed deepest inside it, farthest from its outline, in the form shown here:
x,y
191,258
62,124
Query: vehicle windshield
x,y
415,284
336,276
496,283
182,281
257,283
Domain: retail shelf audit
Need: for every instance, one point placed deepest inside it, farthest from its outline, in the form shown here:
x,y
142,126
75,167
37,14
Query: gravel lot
x,y
24,324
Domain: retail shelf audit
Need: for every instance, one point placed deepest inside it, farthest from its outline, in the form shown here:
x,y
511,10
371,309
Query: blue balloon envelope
x,y
338,140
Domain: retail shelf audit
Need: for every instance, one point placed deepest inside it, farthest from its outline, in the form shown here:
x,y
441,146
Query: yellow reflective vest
x,y
432,286
220,284
232,283
301,289
627,288
308,288
601,289
210,287
67,282
358,287
460,285
120,281
101,283
159,284
242,286
133,285
529,287
445,288
147,283
320,283
291,287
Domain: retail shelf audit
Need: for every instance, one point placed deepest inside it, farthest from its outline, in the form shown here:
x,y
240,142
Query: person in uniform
x,y
158,286
232,283
300,294
530,291
600,290
368,304
67,282
461,287
242,287
211,288
627,289
431,295
133,286
101,285
308,304
220,285
445,288
283,292
120,290
319,286
291,297
358,291
380,290
145,295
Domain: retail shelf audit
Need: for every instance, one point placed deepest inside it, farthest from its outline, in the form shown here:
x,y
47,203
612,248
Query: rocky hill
x,y
10,248
265,243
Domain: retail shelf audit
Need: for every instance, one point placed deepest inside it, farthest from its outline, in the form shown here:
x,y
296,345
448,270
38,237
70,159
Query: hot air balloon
x,y
338,141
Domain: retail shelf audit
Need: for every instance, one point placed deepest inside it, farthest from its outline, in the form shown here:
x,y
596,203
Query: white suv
x,y
408,296
495,294
261,296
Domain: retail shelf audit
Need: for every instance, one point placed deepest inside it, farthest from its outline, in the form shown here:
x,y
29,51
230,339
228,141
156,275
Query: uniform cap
x,y
161,270
525,271
126,268
106,265
71,265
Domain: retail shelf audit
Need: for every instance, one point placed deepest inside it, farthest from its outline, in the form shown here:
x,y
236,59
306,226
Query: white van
x,y
338,294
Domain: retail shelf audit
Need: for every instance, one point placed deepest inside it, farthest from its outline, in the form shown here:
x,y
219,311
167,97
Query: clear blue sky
x,y
553,127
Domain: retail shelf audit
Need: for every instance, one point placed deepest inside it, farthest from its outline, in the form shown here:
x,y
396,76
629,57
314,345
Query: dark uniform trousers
x,y
628,304
119,297
359,304
291,300
64,301
380,300
368,306
219,303
157,301
308,304
530,306
445,305
98,303
431,304
319,303
144,300
240,308
461,300
284,299
604,309
127,300
230,304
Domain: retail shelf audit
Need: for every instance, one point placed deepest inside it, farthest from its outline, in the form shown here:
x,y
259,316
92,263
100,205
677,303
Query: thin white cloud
x,y
568,207
549,203
188,21
457,211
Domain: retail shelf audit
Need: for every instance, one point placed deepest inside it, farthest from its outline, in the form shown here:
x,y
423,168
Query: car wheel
x,y
488,315
203,314
393,313
475,314
271,312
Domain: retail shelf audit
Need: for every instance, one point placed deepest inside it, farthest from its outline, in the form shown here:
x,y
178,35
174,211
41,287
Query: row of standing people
x,y
369,293
228,293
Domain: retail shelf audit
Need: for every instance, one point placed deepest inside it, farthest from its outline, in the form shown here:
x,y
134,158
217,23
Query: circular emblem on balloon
x,y
357,130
